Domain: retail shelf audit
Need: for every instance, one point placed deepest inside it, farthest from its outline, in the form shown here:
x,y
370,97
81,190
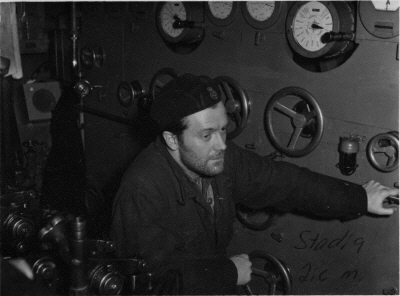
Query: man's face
x,y
202,146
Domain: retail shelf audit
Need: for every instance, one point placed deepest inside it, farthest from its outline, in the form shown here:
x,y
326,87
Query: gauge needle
x,y
315,26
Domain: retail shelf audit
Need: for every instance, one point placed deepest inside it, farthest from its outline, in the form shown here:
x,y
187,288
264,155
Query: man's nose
x,y
220,142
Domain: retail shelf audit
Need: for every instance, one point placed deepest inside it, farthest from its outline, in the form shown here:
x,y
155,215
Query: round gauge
x,y
221,13
181,25
307,22
310,22
380,18
169,13
262,14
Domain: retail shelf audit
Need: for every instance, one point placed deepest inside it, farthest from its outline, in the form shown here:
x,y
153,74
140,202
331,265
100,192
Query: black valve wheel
x,y
387,146
92,56
306,119
236,103
87,56
246,216
83,88
275,273
98,56
160,79
128,91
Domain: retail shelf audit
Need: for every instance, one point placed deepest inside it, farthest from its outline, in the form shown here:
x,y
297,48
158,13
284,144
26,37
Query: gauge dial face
x,y
220,9
310,22
170,11
392,5
260,10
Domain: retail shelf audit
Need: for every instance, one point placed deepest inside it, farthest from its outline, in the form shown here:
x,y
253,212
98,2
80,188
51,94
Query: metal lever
x,y
181,24
339,36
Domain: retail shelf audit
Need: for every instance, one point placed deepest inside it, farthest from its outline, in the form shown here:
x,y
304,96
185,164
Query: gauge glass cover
x,y
169,12
220,9
386,5
260,10
311,21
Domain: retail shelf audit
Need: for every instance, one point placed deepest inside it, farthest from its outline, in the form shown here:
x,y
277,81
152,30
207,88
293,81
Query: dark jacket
x,y
160,213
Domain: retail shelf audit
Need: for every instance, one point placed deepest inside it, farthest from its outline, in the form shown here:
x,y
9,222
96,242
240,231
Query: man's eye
x,y
206,136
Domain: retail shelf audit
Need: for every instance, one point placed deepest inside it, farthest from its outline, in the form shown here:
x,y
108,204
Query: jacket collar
x,y
187,186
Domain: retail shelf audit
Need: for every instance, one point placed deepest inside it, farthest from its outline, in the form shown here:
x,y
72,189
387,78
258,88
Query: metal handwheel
x,y
236,103
244,216
128,91
92,56
161,78
275,274
87,56
306,117
387,144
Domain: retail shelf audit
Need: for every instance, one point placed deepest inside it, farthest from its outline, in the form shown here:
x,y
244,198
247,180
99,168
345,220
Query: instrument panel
x,y
287,89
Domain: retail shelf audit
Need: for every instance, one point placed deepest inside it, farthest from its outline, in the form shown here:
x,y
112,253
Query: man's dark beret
x,y
185,95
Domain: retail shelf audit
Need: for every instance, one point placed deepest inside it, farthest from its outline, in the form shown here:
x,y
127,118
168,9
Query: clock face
x,y
170,12
310,22
260,10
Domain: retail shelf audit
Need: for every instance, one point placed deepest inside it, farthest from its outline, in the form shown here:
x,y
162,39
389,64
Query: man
x,y
176,203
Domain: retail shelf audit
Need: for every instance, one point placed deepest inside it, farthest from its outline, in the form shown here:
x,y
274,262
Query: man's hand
x,y
243,266
376,194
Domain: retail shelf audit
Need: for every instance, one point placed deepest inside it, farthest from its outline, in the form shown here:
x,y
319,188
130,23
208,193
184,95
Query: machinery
x,y
314,83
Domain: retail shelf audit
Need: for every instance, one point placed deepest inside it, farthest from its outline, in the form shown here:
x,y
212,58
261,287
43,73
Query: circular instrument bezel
x,y
343,21
194,13
377,22
270,21
224,21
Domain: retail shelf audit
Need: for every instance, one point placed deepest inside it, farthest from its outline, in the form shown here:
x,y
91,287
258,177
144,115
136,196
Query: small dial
x,y
181,25
221,13
220,9
310,22
170,12
262,14
391,5
260,10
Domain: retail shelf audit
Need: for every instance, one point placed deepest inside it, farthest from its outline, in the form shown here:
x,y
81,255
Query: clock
x,y
380,18
307,22
221,13
262,14
181,25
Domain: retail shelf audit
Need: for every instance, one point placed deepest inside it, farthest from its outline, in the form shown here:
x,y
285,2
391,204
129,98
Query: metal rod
x,y
107,115
74,37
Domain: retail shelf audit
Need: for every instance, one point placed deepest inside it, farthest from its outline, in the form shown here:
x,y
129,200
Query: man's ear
x,y
171,140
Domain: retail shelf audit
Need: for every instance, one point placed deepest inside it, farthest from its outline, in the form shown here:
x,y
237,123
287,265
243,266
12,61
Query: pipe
x,y
107,115
74,37
79,275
